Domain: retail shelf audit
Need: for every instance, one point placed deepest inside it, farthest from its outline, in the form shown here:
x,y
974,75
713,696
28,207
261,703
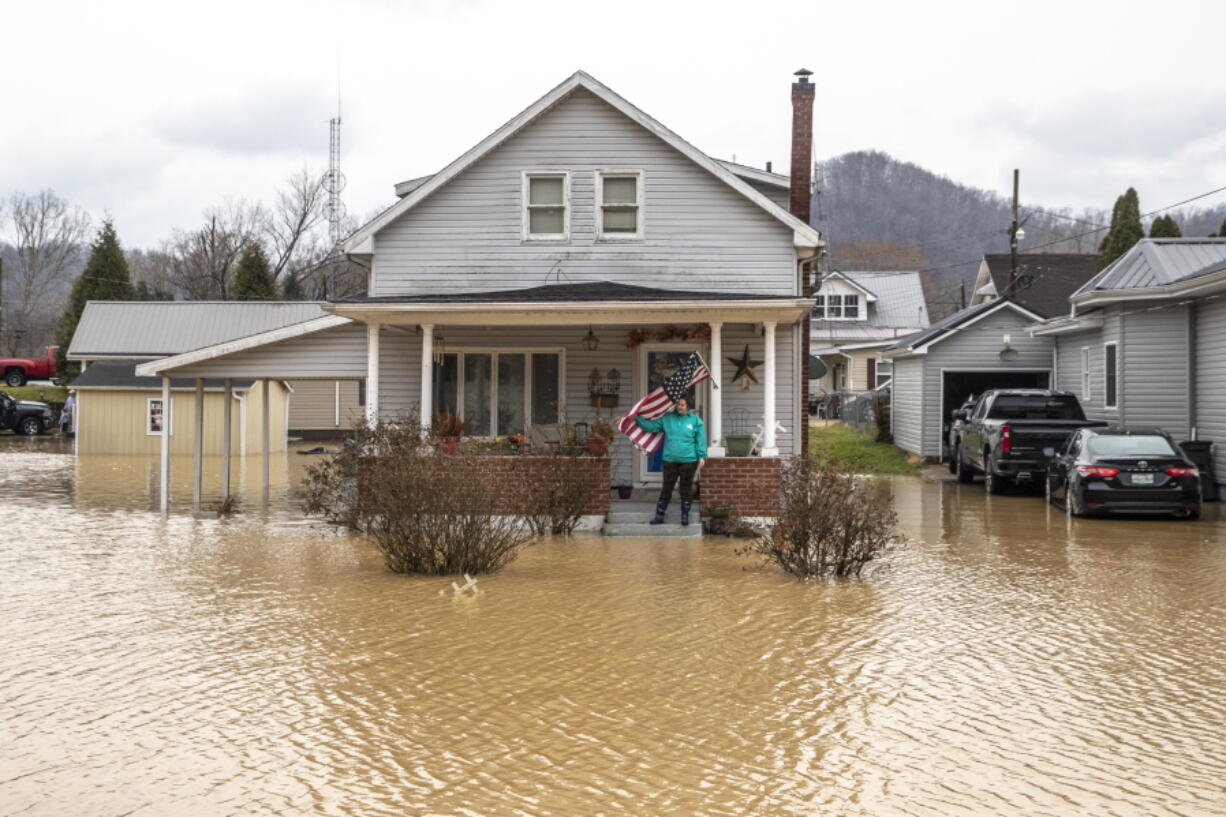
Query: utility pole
x,y
962,294
1013,239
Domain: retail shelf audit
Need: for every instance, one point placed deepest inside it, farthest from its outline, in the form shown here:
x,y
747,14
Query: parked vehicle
x,y
957,421
17,370
1011,434
1124,470
24,416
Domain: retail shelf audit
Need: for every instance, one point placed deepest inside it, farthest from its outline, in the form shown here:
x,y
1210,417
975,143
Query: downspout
x,y
1193,317
242,423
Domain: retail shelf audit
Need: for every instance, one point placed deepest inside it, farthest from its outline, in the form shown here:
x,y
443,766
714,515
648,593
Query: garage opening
x,y
957,386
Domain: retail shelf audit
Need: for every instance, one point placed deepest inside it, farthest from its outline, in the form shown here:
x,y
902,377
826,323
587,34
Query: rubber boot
x,y
685,513
661,507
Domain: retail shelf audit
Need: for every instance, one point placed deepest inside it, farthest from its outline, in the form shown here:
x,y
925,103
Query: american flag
x,y
659,402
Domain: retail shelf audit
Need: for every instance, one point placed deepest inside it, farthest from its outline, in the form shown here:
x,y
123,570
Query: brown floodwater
x,y
1002,661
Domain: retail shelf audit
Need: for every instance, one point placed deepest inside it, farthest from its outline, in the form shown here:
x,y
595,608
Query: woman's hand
x,y
701,463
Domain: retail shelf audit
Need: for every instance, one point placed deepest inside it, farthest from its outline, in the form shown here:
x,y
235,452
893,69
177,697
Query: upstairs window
x,y
546,202
837,308
620,196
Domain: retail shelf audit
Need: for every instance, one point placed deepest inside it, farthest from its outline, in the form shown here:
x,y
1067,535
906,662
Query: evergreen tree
x,y
1221,231
105,278
253,279
144,292
1126,229
1165,227
291,288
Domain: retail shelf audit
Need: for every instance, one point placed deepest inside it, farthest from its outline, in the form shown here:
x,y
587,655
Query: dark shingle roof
x,y
594,291
1052,278
120,373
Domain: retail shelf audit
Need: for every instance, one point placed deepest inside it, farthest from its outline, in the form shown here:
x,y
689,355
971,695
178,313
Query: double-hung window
x,y
500,392
547,206
1110,375
156,418
619,211
837,307
884,372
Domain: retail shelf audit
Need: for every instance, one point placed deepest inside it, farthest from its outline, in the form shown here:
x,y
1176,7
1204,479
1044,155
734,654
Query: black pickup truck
x,y
1010,434
24,416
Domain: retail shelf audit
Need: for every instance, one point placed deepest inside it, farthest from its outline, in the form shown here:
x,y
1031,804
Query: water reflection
x,y
1007,661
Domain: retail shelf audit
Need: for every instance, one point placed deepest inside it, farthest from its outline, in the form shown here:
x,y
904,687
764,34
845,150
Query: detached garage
x,y
987,346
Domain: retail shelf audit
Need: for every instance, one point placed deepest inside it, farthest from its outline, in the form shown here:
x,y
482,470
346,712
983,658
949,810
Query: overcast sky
x,y
153,111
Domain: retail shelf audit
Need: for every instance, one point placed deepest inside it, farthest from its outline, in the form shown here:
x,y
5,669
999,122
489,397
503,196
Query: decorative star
x,y
744,366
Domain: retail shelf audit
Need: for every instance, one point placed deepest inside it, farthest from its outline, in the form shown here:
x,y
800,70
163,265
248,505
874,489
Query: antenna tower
x,y
334,208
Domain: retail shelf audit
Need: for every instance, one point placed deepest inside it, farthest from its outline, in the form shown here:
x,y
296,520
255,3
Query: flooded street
x,y
1004,661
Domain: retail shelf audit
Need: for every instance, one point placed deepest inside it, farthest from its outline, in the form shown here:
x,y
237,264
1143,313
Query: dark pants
x,y
673,470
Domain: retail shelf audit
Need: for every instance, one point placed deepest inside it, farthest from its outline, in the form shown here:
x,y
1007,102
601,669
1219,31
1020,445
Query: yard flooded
x,y
1004,661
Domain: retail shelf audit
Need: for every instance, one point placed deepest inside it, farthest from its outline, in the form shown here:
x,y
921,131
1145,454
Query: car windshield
x,y
1130,445
1035,407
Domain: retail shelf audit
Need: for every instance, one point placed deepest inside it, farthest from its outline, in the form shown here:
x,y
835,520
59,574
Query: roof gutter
x,y
1189,286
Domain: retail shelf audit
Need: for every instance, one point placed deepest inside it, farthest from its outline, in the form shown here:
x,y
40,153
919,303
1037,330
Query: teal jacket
x,y
685,437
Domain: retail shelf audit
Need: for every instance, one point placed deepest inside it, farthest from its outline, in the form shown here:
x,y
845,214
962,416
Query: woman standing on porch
x,y
685,452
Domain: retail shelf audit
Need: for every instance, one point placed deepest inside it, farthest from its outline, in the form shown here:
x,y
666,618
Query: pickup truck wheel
x,y
30,426
953,461
995,484
15,377
965,475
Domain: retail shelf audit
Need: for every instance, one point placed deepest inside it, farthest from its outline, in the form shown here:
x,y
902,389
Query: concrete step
x,y
641,512
654,531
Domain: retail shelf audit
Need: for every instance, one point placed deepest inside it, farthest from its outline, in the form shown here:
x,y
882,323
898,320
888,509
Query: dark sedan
x,y
1123,470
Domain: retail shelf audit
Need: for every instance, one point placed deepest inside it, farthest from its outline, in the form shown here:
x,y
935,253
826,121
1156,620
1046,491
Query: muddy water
x,y
1005,662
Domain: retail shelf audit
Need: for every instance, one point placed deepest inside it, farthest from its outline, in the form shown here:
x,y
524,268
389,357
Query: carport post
x,y
372,374
165,445
198,446
716,448
769,448
427,376
264,453
225,440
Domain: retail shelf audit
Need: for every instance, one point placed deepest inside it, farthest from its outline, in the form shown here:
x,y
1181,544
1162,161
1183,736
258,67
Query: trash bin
x,y
1201,454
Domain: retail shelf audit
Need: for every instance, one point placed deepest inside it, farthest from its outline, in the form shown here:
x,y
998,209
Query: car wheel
x,y
953,460
965,475
15,378
30,426
995,484
1072,502
1189,514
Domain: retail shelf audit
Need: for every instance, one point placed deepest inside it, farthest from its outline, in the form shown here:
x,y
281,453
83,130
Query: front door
x,y
656,362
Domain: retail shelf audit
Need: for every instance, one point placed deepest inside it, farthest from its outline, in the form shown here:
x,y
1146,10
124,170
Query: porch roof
x,y
574,303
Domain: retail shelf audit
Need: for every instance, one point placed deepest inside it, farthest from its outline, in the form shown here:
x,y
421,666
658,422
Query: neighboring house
x,y
325,409
120,413
856,315
1043,283
503,284
984,346
117,409
1144,342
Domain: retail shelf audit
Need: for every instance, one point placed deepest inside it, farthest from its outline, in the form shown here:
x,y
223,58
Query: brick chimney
x,y
802,145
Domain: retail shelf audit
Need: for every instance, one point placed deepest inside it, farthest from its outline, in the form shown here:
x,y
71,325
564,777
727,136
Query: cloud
x,y
272,120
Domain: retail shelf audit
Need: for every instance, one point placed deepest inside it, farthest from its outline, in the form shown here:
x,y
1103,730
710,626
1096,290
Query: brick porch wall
x,y
750,485
512,475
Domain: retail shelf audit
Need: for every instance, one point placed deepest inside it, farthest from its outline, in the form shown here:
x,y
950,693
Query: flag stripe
x,y
657,403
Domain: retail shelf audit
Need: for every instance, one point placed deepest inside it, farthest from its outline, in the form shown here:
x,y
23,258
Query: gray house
x,y
582,244
984,346
1144,342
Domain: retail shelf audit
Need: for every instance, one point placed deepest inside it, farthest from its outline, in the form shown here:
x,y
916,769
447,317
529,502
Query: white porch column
x,y
769,448
198,446
372,374
165,475
266,394
427,376
225,439
715,447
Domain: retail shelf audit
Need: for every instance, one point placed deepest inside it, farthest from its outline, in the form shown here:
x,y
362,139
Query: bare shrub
x,y
557,498
428,513
881,414
830,523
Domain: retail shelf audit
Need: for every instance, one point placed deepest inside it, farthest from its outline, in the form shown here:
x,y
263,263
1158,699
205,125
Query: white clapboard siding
x,y
1068,378
907,404
1154,359
334,353
314,404
1211,379
699,234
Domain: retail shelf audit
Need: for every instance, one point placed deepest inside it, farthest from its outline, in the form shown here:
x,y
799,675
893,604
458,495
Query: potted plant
x,y
624,491
739,445
572,443
447,430
600,438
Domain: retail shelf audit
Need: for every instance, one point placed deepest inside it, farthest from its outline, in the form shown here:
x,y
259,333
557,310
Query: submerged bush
x,y
428,512
830,523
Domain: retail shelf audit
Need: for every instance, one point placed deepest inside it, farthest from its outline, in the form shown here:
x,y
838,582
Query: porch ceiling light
x,y
590,341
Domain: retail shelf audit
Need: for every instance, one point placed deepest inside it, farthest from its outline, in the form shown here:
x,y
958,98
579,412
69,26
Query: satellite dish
x,y
817,369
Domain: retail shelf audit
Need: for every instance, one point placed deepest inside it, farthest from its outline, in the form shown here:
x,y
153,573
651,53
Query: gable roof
x,y
120,373
946,327
147,329
359,243
1051,278
1157,262
899,304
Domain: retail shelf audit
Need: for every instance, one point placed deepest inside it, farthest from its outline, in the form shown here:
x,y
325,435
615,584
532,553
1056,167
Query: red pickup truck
x,y
17,370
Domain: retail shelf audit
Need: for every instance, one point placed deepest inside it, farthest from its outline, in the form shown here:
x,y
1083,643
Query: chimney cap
x,y
804,74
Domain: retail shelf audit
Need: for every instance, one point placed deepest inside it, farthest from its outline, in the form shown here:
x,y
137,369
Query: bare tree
x,y
296,212
202,261
48,235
